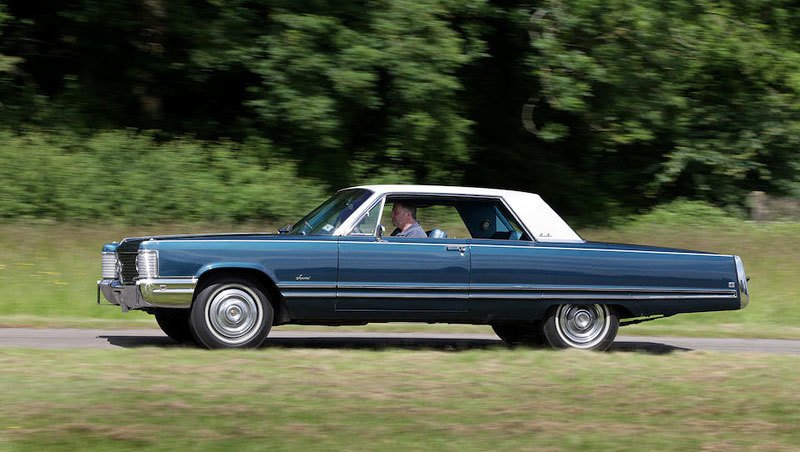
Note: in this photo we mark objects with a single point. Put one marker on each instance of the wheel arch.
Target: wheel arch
(251, 272)
(623, 309)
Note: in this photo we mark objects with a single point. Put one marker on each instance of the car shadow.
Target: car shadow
(653, 348)
(450, 344)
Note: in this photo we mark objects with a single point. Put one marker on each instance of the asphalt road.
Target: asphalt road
(64, 338)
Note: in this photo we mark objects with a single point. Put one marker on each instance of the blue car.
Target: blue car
(455, 255)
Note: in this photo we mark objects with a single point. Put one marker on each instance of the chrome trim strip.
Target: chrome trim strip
(544, 288)
(251, 241)
(404, 241)
(171, 280)
(540, 247)
(402, 286)
(682, 297)
(534, 288)
(533, 246)
(450, 292)
(308, 294)
(594, 296)
(301, 285)
(364, 294)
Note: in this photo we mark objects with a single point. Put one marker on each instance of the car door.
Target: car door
(399, 278)
(402, 277)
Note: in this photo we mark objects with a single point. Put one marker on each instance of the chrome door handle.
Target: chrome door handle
(459, 248)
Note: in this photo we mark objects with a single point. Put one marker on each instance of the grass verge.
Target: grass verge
(48, 274)
(499, 399)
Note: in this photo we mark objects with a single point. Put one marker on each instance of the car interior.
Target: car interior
(451, 217)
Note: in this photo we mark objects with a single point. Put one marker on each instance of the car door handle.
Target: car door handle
(459, 248)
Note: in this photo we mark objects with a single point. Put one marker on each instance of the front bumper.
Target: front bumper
(148, 293)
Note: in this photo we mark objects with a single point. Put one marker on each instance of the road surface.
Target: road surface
(65, 338)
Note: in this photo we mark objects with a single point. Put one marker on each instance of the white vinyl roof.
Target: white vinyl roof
(538, 218)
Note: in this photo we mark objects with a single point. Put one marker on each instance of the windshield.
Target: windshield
(327, 217)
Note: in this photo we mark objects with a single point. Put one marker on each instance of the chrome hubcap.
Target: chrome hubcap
(582, 326)
(234, 314)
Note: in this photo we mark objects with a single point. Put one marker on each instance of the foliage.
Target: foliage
(683, 213)
(376, 86)
(7, 66)
(131, 177)
(602, 107)
(699, 99)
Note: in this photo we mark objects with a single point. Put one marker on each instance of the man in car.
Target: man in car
(404, 218)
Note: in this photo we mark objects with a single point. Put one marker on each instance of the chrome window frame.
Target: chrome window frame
(382, 199)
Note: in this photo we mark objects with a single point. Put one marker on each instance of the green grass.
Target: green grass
(48, 274)
(300, 399)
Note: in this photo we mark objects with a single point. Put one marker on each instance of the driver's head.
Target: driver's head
(403, 214)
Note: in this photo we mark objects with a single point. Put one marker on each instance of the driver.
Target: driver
(404, 218)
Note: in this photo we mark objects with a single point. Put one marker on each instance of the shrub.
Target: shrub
(683, 212)
(132, 177)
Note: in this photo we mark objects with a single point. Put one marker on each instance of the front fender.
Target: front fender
(237, 266)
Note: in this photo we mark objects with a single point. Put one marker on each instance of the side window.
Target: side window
(507, 228)
(444, 219)
(367, 224)
(490, 220)
(439, 219)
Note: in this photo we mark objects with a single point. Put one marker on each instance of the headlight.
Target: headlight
(109, 267)
(147, 264)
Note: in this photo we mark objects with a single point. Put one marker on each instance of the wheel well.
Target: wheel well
(622, 311)
(275, 297)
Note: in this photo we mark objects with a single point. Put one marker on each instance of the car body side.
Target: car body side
(353, 279)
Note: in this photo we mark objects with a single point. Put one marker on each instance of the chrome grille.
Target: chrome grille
(128, 263)
(109, 265)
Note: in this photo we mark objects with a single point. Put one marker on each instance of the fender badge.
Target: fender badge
(300, 277)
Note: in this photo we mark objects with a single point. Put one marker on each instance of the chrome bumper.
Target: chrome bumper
(744, 290)
(148, 293)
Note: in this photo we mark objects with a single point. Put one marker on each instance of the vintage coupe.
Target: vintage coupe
(496, 257)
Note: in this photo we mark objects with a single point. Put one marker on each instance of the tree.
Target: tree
(696, 99)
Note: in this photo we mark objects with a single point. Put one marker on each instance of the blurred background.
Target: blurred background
(237, 110)
(665, 122)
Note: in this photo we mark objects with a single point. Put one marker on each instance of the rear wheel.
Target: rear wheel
(529, 334)
(584, 326)
(174, 323)
(231, 313)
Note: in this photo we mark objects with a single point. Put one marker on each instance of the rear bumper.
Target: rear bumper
(742, 283)
(148, 293)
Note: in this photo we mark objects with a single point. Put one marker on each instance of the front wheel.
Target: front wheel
(174, 323)
(527, 334)
(583, 326)
(231, 313)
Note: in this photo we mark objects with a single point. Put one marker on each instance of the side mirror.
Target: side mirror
(379, 231)
(285, 230)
